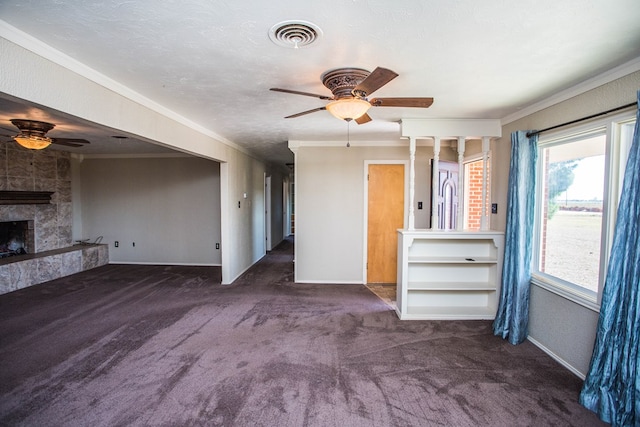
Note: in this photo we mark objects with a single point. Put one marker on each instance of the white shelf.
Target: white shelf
(451, 260)
(448, 275)
(451, 286)
(448, 313)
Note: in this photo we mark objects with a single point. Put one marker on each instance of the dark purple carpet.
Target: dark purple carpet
(168, 346)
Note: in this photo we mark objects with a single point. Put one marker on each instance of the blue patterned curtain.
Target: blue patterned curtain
(512, 317)
(612, 387)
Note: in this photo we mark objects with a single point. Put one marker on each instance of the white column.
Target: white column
(412, 181)
(460, 213)
(435, 170)
(484, 219)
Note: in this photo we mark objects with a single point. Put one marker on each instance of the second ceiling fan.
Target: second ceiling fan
(350, 88)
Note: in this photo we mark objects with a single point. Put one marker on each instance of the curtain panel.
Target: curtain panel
(612, 385)
(512, 317)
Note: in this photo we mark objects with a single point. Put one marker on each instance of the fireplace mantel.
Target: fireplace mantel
(25, 197)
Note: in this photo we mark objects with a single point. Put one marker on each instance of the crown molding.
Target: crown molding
(38, 47)
(592, 83)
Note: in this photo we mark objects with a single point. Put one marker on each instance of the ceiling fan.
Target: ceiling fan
(350, 88)
(32, 135)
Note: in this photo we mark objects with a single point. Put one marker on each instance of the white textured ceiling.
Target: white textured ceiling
(213, 62)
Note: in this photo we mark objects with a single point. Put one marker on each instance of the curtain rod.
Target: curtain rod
(537, 132)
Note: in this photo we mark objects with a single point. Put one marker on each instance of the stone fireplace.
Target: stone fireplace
(16, 238)
(36, 213)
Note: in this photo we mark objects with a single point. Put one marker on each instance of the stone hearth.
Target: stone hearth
(52, 253)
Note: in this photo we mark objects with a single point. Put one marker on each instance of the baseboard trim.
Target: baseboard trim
(556, 358)
(327, 282)
(165, 263)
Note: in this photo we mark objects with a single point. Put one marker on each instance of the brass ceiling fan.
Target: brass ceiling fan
(350, 88)
(33, 133)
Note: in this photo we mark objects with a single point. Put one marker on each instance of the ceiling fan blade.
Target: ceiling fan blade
(402, 102)
(374, 81)
(11, 132)
(363, 119)
(70, 142)
(305, 112)
(297, 92)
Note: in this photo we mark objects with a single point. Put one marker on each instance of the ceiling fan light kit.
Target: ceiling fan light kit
(348, 109)
(32, 142)
(33, 135)
(350, 88)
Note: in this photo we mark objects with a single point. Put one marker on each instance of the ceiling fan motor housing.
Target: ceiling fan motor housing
(32, 127)
(342, 81)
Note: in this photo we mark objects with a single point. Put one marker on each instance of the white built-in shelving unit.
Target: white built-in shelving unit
(448, 274)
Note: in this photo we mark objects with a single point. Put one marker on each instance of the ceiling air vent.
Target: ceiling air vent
(294, 34)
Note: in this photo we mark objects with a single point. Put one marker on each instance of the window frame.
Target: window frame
(616, 153)
(465, 208)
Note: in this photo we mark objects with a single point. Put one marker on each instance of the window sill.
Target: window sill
(566, 292)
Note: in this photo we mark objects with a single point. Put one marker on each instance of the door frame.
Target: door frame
(267, 212)
(365, 219)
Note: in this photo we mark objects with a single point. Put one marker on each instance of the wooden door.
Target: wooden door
(447, 201)
(385, 217)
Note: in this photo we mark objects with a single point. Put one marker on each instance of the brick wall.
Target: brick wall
(474, 194)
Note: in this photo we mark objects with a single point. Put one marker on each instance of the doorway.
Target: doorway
(267, 212)
(385, 215)
(447, 198)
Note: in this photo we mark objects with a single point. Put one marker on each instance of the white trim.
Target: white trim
(329, 282)
(607, 126)
(225, 221)
(365, 209)
(568, 293)
(606, 77)
(82, 157)
(28, 42)
(230, 282)
(421, 141)
(451, 128)
(472, 159)
(267, 213)
(293, 143)
(557, 358)
(165, 263)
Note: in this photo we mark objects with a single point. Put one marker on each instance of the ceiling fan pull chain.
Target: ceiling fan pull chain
(348, 134)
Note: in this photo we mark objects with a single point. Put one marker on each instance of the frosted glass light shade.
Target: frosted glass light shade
(33, 142)
(351, 108)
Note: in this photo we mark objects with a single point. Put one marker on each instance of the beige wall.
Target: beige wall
(168, 207)
(28, 76)
(330, 207)
(564, 328)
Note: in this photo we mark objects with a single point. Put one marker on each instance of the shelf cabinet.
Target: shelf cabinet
(448, 274)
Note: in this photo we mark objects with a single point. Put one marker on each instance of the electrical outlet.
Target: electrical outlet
(217, 245)
(116, 243)
(494, 208)
(419, 205)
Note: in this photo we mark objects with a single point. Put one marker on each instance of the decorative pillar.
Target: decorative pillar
(435, 170)
(460, 213)
(484, 218)
(412, 181)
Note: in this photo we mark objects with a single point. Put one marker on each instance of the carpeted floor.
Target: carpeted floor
(127, 345)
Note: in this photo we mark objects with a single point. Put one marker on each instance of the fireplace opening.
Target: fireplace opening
(16, 238)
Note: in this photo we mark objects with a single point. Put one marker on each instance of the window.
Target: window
(580, 173)
(473, 176)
